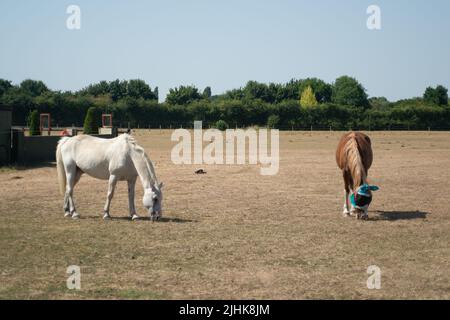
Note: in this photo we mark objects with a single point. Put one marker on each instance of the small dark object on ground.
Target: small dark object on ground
(200, 171)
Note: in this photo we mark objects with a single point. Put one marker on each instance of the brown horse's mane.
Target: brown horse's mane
(354, 155)
(354, 162)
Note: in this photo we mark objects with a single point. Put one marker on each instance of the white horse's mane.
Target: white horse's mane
(138, 149)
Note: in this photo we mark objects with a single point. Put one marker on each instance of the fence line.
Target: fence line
(281, 128)
(297, 128)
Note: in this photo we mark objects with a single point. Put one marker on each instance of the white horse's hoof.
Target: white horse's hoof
(67, 214)
(106, 216)
(75, 215)
(134, 217)
(346, 213)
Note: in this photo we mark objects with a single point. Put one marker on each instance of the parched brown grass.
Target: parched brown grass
(234, 234)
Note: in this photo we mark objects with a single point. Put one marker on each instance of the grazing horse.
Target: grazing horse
(115, 160)
(354, 157)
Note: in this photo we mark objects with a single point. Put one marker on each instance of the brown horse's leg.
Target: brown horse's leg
(347, 183)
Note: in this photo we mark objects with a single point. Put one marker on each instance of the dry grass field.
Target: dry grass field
(235, 234)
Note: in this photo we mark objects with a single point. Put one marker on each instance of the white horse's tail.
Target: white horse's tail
(60, 166)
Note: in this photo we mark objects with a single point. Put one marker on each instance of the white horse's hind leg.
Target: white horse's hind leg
(68, 200)
(111, 187)
(72, 176)
(66, 205)
(131, 188)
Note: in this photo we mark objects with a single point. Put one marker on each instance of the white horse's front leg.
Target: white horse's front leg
(131, 188)
(111, 187)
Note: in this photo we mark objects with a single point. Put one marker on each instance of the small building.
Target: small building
(16, 148)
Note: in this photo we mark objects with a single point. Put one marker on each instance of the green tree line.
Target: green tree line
(341, 105)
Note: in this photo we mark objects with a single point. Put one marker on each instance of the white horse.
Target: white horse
(115, 160)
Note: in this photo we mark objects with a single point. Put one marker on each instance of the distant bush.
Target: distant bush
(91, 122)
(34, 123)
(273, 121)
(308, 98)
(221, 125)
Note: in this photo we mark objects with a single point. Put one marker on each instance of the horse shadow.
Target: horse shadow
(166, 219)
(160, 220)
(398, 215)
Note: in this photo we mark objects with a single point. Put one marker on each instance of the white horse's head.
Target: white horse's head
(153, 201)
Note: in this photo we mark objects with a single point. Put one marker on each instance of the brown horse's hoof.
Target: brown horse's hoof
(362, 216)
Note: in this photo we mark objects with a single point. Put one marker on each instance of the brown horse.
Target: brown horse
(354, 157)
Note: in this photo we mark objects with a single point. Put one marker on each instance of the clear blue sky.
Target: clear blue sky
(224, 44)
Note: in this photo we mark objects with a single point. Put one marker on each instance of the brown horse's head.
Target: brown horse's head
(361, 199)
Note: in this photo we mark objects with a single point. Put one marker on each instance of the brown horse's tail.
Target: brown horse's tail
(354, 162)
